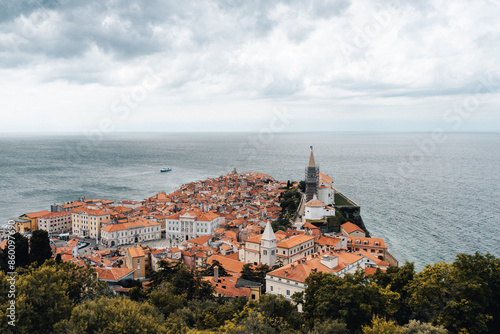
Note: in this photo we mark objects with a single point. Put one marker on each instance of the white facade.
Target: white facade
(130, 233)
(326, 195)
(268, 246)
(318, 212)
(87, 223)
(55, 222)
(189, 225)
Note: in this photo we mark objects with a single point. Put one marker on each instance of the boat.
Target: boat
(163, 170)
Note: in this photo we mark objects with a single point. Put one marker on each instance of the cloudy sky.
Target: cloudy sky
(339, 65)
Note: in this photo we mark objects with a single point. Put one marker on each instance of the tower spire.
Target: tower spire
(312, 163)
(312, 177)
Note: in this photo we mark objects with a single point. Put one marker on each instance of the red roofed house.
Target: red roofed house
(352, 230)
(291, 278)
(29, 221)
(55, 222)
(139, 259)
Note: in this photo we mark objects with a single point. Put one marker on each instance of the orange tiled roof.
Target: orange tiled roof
(294, 241)
(136, 251)
(112, 274)
(350, 228)
(37, 214)
(229, 264)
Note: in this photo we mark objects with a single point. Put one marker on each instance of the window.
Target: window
(288, 292)
(272, 288)
(138, 261)
(265, 252)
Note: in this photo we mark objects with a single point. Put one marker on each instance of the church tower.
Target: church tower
(312, 178)
(268, 246)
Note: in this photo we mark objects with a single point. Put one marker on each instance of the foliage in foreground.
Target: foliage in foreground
(461, 297)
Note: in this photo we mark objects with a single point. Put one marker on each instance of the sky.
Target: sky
(261, 66)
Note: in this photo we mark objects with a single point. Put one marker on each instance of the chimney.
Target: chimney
(216, 273)
(292, 266)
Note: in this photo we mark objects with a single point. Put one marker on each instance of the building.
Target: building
(312, 178)
(187, 225)
(55, 222)
(291, 278)
(351, 230)
(375, 246)
(87, 222)
(29, 221)
(114, 276)
(326, 192)
(294, 248)
(270, 248)
(137, 230)
(139, 259)
(316, 209)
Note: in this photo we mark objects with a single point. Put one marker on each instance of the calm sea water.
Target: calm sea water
(429, 201)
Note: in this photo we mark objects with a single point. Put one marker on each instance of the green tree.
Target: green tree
(302, 186)
(279, 310)
(249, 321)
(417, 327)
(165, 301)
(397, 279)
(329, 327)
(42, 299)
(382, 326)
(167, 270)
(352, 299)
(113, 315)
(40, 250)
(20, 254)
(209, 269)
(189, 282)
(462, 296)
(255, 274)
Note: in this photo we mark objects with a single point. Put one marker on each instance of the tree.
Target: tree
(279, 310)
(40, 250)
(417, 327)
(165, 301)
(113, 315)
(20, 254)
(257, 274)
(42, 299)
(382, 326)
(329, 327)
(189, 282)
(462, 296)
(249, 321)
(165, 273)
(352, 299)
(209, 269)
(397, 279)
(302, 186)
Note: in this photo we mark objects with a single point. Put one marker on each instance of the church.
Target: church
(320, 194)
(268, 247)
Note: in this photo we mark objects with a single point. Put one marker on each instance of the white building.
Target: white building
(291, 278)
(316, 209)
(138, 230)
(55, 222)
(326, 192)
(188, 225)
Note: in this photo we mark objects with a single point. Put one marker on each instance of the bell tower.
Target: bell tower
(312, 178)
(268, 246)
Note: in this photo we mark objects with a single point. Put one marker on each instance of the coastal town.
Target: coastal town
(225, 222)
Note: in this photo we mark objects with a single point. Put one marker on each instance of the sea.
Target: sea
(430, 196)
